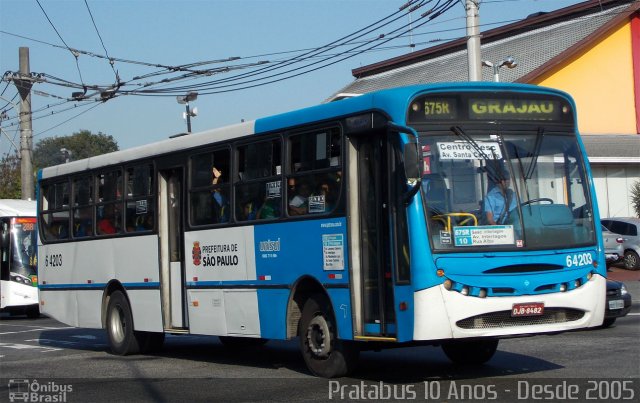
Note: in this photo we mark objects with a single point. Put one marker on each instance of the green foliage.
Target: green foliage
(10, 184)
(635, 197)
(82, 144)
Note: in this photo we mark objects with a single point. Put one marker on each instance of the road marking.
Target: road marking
(23, 331)
(39, 327)
(18, 346)
(633, 314)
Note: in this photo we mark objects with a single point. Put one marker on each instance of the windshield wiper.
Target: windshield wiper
(536, 154)
(495, 174)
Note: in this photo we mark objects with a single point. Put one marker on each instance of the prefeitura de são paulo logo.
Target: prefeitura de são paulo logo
(196, 253)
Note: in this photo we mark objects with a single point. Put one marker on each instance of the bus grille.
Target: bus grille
(504, 319)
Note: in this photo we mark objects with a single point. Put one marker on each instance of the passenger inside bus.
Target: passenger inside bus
(221, 205)
(107, 224)
(248, 212)
(298, 204)
(269, 209)
(83, 224)
(144, 222)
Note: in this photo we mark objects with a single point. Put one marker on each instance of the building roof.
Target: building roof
(538, 43)
(613, 149)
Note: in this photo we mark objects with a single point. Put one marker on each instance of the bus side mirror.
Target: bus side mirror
(411, 163)
(411, 170)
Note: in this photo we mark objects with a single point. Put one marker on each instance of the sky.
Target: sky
(140, 35)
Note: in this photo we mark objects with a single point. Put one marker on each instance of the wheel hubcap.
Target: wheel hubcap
(318, 337)
(630, 261)
(117, 324)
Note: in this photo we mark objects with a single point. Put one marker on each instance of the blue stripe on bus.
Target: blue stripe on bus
(96, 286)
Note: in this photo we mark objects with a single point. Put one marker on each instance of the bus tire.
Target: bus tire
(470, 352)
(325, 355)
(122, 337)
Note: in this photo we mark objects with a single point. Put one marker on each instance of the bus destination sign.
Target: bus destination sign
(437, 108)
(494, 107)
(514, 109)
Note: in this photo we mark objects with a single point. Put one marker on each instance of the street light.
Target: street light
(510, 62)
(191, 96)
(66, 154)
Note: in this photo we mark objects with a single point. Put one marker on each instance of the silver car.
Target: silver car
(613, 249)
(629, 229)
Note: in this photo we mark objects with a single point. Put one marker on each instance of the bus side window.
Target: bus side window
(109, 212)
(314, 172)
(258, 192)
(139, 201)
(54, 217)
(209, 192)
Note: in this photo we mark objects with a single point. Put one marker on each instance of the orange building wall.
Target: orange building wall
(601, 80)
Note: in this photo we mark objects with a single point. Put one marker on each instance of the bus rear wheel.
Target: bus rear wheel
(470, 352)
(325, 355)
(122, 338)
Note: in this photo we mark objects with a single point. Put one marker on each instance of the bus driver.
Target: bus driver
(497, 200)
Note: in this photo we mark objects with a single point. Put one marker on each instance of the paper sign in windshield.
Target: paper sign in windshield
(458, 150)
(489, 235)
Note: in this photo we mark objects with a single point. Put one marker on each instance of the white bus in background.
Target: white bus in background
(18, 257)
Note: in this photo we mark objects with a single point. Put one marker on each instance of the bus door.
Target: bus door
(370, 224)
(172, 275)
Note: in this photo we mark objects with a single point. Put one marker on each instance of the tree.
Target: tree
(82, 144)
(635, 197)
(10, 185)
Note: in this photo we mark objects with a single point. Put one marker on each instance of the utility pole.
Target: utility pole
(473, 40)
(23, 84)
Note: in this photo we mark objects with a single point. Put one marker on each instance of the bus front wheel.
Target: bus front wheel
(122, 338)
(325, 355)
(470, 352)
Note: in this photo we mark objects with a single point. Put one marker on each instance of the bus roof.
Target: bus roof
(387, 100)
(17, 208)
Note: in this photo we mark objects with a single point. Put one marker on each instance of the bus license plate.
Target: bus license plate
(529, 309)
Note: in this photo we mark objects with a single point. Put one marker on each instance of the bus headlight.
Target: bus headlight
(465, 290)
(482, 293)
(447, 284)
(563, 287)
(20, 279)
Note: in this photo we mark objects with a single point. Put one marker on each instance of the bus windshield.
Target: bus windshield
(23, 248)
(518, 187)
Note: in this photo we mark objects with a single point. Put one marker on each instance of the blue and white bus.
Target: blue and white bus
(18, 258)
(361, 223)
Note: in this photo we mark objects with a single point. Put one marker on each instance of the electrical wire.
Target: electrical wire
(111, 62)
(73, 51)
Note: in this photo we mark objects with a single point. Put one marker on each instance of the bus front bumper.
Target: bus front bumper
(443, 314)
